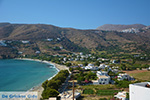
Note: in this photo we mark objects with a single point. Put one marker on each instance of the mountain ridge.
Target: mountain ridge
(119, 27)
(72, 40)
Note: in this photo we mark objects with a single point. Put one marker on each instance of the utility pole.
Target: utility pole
(73, 89)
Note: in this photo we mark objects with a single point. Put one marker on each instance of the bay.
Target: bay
(22, 75)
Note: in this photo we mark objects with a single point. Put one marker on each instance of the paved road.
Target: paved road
(64, 85)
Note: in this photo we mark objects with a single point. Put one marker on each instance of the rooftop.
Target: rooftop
(104, 76)
(143, 84)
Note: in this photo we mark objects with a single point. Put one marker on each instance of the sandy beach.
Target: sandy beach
(59, 67)
(39, 88)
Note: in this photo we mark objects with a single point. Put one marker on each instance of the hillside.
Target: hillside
(112, 27)
(49, 39)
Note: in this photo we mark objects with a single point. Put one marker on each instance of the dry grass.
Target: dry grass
(140, 75)
(89, 97)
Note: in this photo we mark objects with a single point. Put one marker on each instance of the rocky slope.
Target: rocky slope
(55, 40)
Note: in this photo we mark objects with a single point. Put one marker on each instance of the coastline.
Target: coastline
(57, 66)
(39, 87)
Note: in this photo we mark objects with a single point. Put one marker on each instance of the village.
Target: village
(101, 78)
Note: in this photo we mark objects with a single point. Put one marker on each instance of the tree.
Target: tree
(123, 66)
(127, 96)
(97, 63)
(110, 73)
(80, 79)
(71, 69)
(91, 76)
(68, 64)
(52, 84)
(123, 83)
(49, 93)
(85, 63)
(44, 85)
(145, 66)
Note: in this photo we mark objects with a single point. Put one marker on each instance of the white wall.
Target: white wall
(139, 92)
(106, 82)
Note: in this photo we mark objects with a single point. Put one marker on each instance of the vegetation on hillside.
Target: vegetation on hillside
(51, 87)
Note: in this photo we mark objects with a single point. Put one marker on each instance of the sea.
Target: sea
(23, 75)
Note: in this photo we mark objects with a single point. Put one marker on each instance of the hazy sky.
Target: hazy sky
(81, 14)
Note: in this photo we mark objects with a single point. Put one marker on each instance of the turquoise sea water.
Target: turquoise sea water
(22, 75)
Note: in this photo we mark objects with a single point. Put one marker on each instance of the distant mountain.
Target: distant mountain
(148, 27)
(50, 39)
(112, 27)
(4, 24)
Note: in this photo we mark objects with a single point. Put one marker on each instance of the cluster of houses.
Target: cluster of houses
(123, 76)
(82, 57)
(78, 57)
(51, 39)
(130, 30)
(2, 43)
(102, 76)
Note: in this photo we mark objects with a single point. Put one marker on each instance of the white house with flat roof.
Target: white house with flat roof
(123, 76)
(101, 73)
(2, 43)
(103, 77)
(139, 91)
(121, 95)
(25, 42)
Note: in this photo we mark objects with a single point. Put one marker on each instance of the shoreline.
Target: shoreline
(39, 87)
(57, 66)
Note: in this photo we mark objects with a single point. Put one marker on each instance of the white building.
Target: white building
(68, 95)
(20, 52)
(139, 91)
(59, 39)
(2, 43)
(103, 66)
(65, 59)
(25, 42)
(49, 39)
(103, 77)
(121, 95)
(90, 64)
(88, 68)
(124, 76)
(81, 53)
(80, 65)
(130, 30)
(91, 67)
(37, 52)
(100, 73)
(61, 47)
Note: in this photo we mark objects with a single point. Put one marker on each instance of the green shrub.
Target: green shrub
(88, 91)
(51, 86)
(49, 93)
(106, 92)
